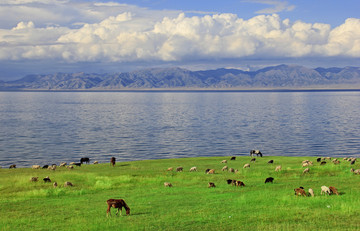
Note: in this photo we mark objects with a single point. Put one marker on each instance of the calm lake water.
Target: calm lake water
(51, 127)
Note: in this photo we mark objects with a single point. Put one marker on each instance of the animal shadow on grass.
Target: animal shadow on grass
(123, 165)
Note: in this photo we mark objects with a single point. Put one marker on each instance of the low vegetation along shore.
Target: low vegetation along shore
(190, 204)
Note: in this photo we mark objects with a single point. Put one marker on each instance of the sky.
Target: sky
(101, 36)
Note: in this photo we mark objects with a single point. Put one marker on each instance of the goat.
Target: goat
(211, 185)
(70, 167)
(278, 168)
(34, 179)
(306, 170)
(67, 183)
(269, 180)
(333, 190)
(325, 189)
(179, 169)
(117, 204)
(96, 162)
(193, 169)
(167, 184)
(311, 191)
(299, 192)
(224, 168)
(256, 152)
(246, 166)
(113, 161)
(211, 171)
(63, 164)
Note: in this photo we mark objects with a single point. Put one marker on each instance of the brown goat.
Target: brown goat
(333, 190)
(113, 161)
(211, 171)
(300, 192)
(117, 204)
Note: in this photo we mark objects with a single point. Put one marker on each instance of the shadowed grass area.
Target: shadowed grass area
(189, 204)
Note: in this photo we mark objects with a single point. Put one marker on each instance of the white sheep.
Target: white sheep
(278, 168)
(246, 166)
(167, 184)
(35, 167)
(325, 189)
(193, 169)
(224, 168)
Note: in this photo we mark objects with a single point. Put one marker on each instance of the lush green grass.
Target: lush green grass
(189, 204)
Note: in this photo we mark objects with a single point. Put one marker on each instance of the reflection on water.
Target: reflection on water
(50, 127)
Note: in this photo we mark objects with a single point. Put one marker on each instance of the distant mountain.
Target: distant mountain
(282, 76)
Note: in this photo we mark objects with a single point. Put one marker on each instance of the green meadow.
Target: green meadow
(189, 204)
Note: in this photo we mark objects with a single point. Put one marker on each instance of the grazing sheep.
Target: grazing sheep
(236, 170)
(167, 184)
(224, 161)
(357, 171)
(233, 158)
(169, 169)
(13, 166)
(256, 152)
(300, 192)
(311, 191)
(231, 170)
(336, 162)
(67, 183)
(306, 170)
(253, 160)
(77, 164)
(47, 179)
(333, 190)
(278, 168)
(55, 184)
(352, 162)
(225, 168)
(179, 169)
(323, 163)
(35, 167)
(207, 170)
(328, 158)
(193, 169)
(84, 160)
(318, 159)
(246, 166)
(305, 164)
(63, 164)
(113, 161)
(45, 166)
(211, 185)
(240, 183)
(96, 162)
(70, 167)
(52, 167)
(269, 180)
(270, 161)
(305, 161)
(325, 189)
(345, 158)
(229, 181)
(34, 179)
(72, 163)
(211, 171)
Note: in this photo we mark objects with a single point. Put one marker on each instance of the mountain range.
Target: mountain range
(274, 77)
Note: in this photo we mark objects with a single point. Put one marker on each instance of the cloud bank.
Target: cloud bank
(142, 35)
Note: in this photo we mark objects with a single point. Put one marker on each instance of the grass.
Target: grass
(189, 204)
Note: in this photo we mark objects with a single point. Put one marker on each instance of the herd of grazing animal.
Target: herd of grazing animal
(120, 203)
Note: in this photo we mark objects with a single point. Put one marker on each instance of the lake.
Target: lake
(52, 127)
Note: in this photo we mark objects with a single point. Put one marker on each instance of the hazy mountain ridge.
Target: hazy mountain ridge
(282, 76)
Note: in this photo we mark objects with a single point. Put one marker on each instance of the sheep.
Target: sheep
(233, 158)
(70, 167)
(179, 169)
(55, 184)
(306, 170)
(352, 162)
(67, 183)
(35, 167)
(325, 189)
(211, 185)
(240, 183)
(34, 179)
(193, 169)
(246, 166)
(46, 179)
(169, 169)
(253, 160)
(229, 181)
(207, 170)
(96, 162)
(278, 168)
(77, 164)
(333, 190)
(299, 192)
(269, 180)
(311, 191)
(63, 164)
(305, 164)
(72, 163)
(231, 170)
(236, 170)
(52, 167)
(270, 161)
(318, 159)
(45, 166)
(211, 171)
(336, 162)
(357, 171)
(224, 161)
(233, 182)
(13, 166)
(167, 184)
(224, 168)
(323, 163)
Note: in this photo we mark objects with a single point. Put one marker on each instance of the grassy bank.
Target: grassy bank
(189, 204)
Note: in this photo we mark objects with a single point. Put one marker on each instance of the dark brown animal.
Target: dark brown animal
(77, 164)
(47, 179)
(85, 160)
(253, 160)
(300, 192)
(211, 185)
(13, 166)
(207, 170)
(269, 180)
(179, 169)
(270, 161)
(229, 181)
(233, 158)
(333, 190)
(240, 183)
(117, 204)
(113, 161)
(323, 163)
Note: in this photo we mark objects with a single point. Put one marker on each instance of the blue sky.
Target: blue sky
(48, 36)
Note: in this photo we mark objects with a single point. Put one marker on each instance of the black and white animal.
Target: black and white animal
(255, 152)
